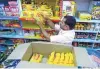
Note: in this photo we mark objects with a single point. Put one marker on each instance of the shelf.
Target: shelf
(6, 44)
(90, 31)
(19, 37)
(11, 36)
(97, 41)
(97, 49)
(8, 18)
(48, 29)
(31, 19)
(57, 20)
(33, 38)
(25, 19)
(8, 28)
(83, 40)
(90, 21)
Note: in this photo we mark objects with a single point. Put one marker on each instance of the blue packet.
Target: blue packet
(1, 7)
(11, 63)
(2, 14)
(94, 56)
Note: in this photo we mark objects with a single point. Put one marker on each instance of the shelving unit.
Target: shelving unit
(84, 7)
(27, 24)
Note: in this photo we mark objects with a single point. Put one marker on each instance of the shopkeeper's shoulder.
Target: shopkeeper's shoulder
(68, 32)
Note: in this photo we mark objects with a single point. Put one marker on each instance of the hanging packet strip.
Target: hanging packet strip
(2, 12)
(13, 3)
(7, 11)
(1, 7)
(11, 63)
(14, 11)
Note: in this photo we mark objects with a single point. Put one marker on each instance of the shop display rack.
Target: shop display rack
(28, 32)
(84, 7)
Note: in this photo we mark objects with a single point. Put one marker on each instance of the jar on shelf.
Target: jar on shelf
(97, 27)
(92, 26)
(88, 27)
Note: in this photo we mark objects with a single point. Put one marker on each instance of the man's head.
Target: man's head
(67, 23)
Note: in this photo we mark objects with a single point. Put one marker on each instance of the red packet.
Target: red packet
(12, 3)
(7, 11)
(6, 8)
(14, 10)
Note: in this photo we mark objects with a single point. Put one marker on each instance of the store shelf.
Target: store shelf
(11, 36)
(84, 40)
(6, 44)
(31, 19)
(57, 20)
(20, 37)
(7, 28)
(90, 21)
(48, 29)
(90, 31)
(33, 38)
(24, 19)
(97, 49)
(8, 18)
(97, 41)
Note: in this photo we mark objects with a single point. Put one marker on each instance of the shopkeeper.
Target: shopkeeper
(65, 30)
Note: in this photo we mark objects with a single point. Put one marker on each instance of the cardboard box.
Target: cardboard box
(26, 50)
(46, 49)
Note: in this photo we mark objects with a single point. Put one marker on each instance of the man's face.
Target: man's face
(62, 24)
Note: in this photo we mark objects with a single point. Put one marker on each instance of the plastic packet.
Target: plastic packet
(13, 3)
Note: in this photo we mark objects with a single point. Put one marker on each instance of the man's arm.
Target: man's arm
(46, 35)
(48, 20)
(50, 23)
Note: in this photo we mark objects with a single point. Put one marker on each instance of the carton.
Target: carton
(25, 51)
(45, 49)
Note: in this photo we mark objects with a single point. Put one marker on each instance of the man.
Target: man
(65, 28)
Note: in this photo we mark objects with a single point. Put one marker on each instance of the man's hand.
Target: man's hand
(39, 23)
(45, 15)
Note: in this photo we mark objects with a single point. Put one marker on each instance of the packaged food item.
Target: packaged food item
(1, 8)
(51, 58)
(2, 12)
(96, 10)
(57, 8)
(7, 10)
(12, 3)
(36, 58)
(14, 11)
(69, 8)
(85, 16)
(66, 59)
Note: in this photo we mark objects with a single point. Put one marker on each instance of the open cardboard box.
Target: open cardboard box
(26, 50)
(45, 50)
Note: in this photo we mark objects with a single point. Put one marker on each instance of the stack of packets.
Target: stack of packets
(36, 58)
(66, 59)
(39, 17)
(85, 16)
